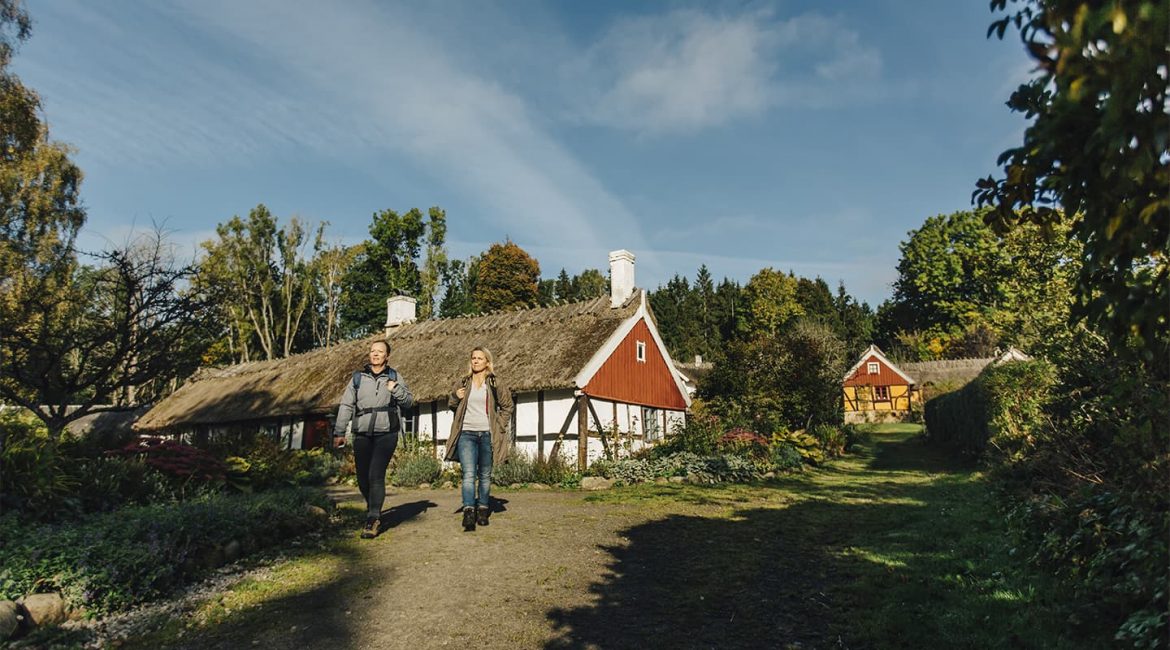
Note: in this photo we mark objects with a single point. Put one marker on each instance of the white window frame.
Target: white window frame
(872, 368)
(641, 351)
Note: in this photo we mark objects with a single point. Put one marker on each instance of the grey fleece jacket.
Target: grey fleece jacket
(373, 405)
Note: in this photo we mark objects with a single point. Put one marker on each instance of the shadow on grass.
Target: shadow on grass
(917, 564)
(321, 615)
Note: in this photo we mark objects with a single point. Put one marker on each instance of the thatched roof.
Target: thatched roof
(957, 372)
(535, 349)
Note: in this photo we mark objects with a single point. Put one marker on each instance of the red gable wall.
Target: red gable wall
(623, 378)
(885, 375)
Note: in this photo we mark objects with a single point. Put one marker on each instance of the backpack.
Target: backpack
(391, 374)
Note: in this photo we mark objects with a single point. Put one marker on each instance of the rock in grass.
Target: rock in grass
(596, 483)
(44, 609)
(9, 618)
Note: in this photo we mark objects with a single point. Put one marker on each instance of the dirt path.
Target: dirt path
(425, 583)
(806, 561)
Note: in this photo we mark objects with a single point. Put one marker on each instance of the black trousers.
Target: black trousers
(371, 455)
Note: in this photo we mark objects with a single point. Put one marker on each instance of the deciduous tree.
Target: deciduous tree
(507, 278)
(1095, 148)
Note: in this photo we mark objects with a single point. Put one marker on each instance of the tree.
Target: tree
(115, 337)
(434, 264)
(787, 379)
(1096, 148)
(948, 274)
(40, 209)
(330, 267)
(387, 265)
(507, 278)
(770, 298)
(855, 322)
(261, 277)
(964, 290)
(590, 283)
(459, 281)
(564, 287)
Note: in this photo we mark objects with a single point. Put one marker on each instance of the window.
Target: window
(871, 368)
(642, 351)
(881, 393)
(651, 424)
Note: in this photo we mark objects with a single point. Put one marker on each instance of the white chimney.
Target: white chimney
(698, 359)
(621, 277)
(399, 310)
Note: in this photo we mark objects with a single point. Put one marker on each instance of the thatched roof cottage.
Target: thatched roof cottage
(877, 389)
(592, 366)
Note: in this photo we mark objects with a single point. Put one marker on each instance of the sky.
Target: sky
(803, 136)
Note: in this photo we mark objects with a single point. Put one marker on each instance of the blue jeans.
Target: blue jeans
(475, 456)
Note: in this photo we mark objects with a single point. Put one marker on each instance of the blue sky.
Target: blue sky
(805, 136)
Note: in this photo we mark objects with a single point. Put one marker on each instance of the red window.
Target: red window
(881, 393)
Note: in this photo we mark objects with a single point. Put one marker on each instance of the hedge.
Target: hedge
(997, 413)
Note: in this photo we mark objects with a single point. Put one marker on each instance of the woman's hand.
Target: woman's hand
(461, 393)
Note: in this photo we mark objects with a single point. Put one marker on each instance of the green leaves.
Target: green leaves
(1097, 146)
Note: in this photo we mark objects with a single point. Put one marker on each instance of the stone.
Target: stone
(539, 486)
(596, 483)
(661, 480)
(424, 486)
(44, 609)
(232, 551)
(677, 479)
(769, 474)
(9, 618)
(316, 511)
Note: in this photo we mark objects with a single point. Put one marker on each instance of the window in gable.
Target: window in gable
(642, 351)
(871, 368)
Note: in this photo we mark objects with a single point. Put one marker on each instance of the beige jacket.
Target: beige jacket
(499, 405)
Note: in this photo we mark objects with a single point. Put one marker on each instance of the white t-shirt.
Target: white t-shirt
(476, 417)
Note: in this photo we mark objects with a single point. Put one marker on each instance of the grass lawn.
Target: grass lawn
(894, 546)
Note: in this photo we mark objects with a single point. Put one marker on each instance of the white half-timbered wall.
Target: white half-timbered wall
(539, 417)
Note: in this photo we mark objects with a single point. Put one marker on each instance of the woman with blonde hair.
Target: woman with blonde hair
(480, 434)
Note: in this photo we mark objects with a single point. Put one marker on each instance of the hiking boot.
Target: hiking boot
(370, 530)
(481, 515)
(468, 519)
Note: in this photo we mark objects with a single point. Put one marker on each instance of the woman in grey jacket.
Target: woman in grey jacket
(480, 433)
(372, 402)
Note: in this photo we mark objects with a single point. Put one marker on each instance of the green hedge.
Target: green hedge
(997, 413)
(113, 561)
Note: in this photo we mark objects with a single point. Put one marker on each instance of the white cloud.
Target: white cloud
(686, 71)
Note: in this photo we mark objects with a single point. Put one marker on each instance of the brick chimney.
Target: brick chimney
(621, 277)
(399, 310)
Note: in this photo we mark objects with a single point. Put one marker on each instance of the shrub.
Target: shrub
(316, 466)
(746, 443)
(33, 471)
(182, 462)
(415, 469)
(113, 561)
(998, 412)
(784, 456)
(806, 445)
(706, 469)
(832, 439)
(699, 434)
(105, 484)
(522, 468)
